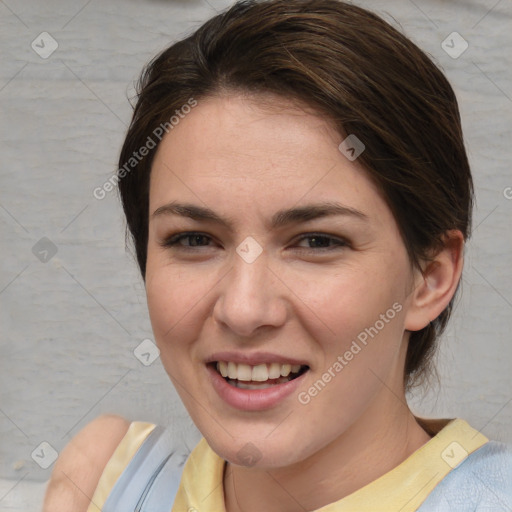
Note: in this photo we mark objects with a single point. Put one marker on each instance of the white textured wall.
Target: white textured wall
(69, 326)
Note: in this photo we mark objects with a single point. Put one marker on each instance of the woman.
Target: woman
(297, 189)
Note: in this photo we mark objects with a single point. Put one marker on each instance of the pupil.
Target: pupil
(195, 238)
(322, 241)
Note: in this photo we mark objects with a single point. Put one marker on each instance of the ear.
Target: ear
(437, 283)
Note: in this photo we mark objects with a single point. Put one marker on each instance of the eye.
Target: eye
(194, 239)
(320, 241)
(317, 242)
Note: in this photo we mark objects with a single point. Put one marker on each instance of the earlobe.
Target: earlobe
(437, 284)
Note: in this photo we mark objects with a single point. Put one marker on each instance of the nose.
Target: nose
(251, 297)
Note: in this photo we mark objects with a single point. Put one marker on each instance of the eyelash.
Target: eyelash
(173, 241)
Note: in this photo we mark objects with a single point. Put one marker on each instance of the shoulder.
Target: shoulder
(80, 464)
(483, 480)
(491, 464)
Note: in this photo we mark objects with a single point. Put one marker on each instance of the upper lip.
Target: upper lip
(254, 359)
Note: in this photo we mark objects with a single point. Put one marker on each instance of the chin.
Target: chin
(257, 452)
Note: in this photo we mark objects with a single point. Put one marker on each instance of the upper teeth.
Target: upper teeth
(260, 372)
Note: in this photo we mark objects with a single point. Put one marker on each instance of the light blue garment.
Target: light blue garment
(480, 483)
(149, 483)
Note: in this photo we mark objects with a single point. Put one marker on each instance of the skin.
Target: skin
(245, 157)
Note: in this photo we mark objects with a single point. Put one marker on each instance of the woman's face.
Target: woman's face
(267, 280)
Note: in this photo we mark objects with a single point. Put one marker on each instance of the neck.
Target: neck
(375, 444)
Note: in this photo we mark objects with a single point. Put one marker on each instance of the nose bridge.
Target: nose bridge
(248, 297)
(249, 273)
(250, 268)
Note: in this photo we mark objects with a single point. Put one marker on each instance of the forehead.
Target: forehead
(243, 152)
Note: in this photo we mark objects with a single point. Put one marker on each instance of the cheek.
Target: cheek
(174, 301)
(347, 301)
(361, 313)
(360, 350)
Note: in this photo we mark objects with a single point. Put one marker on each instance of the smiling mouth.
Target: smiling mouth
(261, 376)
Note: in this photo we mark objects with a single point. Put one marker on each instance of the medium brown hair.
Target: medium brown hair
(355, 70)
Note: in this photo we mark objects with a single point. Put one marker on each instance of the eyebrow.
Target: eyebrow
(279, 219)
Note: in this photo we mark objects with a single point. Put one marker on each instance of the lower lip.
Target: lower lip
(252, 399)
